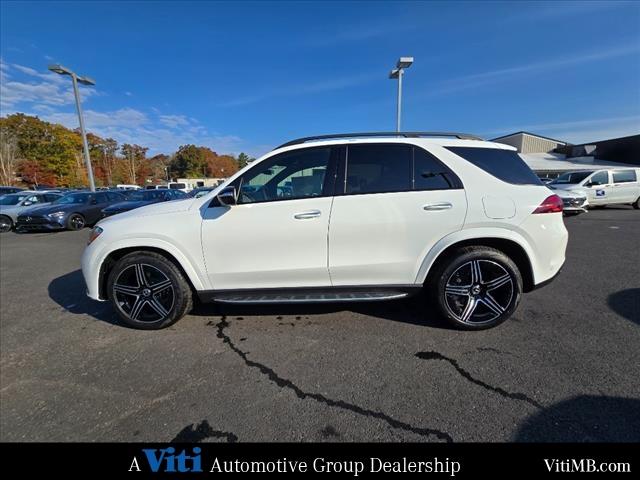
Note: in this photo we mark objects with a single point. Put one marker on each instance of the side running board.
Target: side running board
(306, 296)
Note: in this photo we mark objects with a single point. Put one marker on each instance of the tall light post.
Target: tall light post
(398, 72)
(75, 79)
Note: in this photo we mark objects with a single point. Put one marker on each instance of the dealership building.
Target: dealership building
(550, 157)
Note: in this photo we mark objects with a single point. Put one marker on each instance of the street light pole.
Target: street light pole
(398, 73)
(85, 145)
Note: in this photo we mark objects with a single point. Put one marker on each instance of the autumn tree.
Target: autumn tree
(133, 159)
(8, 156)
(243, 159)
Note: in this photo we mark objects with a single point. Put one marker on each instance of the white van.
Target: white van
(185, 187)
(612, 186)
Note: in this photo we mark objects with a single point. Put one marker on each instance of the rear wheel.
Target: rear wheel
(76, 222)
(148, 291)
(477, 288)
(6, 224)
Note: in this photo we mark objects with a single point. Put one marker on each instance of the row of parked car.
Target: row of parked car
(48, 210)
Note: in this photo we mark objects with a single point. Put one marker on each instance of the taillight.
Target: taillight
(551, 204)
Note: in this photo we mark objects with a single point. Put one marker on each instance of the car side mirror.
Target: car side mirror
(592, 184)
(228, 196)
(26, 204)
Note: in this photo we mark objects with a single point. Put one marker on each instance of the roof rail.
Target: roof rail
(462, 136)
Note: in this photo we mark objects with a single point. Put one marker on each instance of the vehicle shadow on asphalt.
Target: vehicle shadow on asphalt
(626, 303)
(68, 291)
(585, 418)
(413, 311)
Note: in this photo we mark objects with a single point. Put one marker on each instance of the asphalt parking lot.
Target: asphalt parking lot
(565, 368)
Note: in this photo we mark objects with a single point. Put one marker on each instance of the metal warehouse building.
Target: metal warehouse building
(527, 142)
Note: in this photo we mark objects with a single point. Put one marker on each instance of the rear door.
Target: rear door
(393, 203)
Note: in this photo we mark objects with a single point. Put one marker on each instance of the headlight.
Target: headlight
(95, 233)
(57, 214)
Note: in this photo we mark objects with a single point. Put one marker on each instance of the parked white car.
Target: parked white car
(354, 217)
(13, 204)
(574, 202)
(602, 187)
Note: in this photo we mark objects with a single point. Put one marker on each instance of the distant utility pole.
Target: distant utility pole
(85, 81)
(397, 73)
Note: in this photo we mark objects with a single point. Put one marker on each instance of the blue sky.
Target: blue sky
(248, 76)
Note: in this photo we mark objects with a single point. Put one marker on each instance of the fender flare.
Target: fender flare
(197, 278)
(480, 234)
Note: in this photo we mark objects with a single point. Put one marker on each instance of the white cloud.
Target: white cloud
(174, 121)
(50, 97)
(39, 88)
(503, 74)
(305, 89)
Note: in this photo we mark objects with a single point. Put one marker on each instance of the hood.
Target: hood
(9, 208)
(569, 192)
(129, 205)
(565, 186)
(157, 208)
(46, 210)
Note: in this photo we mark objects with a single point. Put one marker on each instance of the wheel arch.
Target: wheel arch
(116, 254)
(510, 247)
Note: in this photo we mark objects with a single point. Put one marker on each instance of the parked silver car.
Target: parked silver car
(13, 204)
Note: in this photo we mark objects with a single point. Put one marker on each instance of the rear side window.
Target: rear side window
(505, 165)
(624, 176)
(378, 168)
(176, 186)
(429, 173)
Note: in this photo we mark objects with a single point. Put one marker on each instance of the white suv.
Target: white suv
(352, 217)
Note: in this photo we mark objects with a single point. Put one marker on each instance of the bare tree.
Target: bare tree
(8, 156)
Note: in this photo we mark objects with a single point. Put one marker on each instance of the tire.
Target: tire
(495, 296)
(636, 204)
(76, 222)
(6, 224)
(153, 299)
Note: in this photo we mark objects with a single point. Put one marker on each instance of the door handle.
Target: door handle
(438, 206)
(308, 214)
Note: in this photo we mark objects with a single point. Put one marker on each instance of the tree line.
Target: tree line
(34, 152)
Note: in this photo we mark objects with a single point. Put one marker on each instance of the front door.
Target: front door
(398, 201)
(599, 190)
(276, 234)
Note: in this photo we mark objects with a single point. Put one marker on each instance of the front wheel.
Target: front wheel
(148, 291)
(5, 223)
(76, 222)
(477, 288)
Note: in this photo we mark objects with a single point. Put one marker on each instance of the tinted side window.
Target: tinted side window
(287, 176)
(624, 176)
(429, 173)
(600, 178)
(379, 168)
(101, 197)
(503, 164)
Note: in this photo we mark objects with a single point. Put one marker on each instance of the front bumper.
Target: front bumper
(577, 204)
(39, 224)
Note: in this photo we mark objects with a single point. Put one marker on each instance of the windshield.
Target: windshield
(12, 199)
(146, 195)
(73, 198)
(570, 178)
